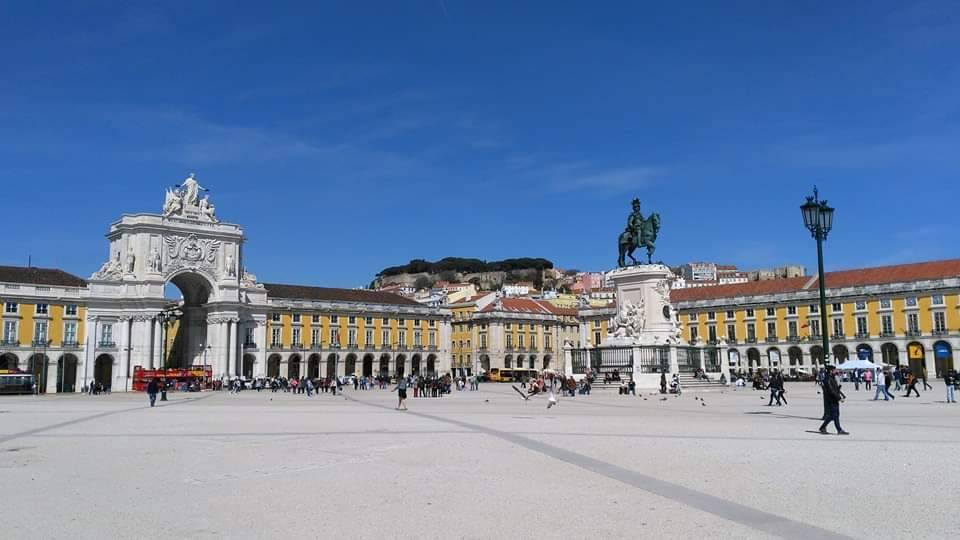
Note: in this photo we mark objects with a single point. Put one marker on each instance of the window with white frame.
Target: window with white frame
(814, 308)
(911, 301)
(368, 337)
(275, 317)
(731, 332)
(11, 307)
(251, 333)
(402, 338)
(751, 331)
(885, 303)
(43, 309)
(483, 341)
(886, 325)
(10, 332)
(334, 319)
(939, 322)
(861, 305)
(433, 339)
(771, 329)
(937, 299)
(70, 310)
(417, 339)
(296, 336)
(694, 333)
(814, 327)
(352, 337)
(335, 336)
(730, 314)
(368, 320)
(402, 322)
(106, 334)
(791, 310)
(385, 338)
(40, 331)
(296, 317)
(771, 312)
(275, 336)
(711, 315)
(838, 327)
(315, 319)
(520, 340)
(792, 329)
(69, 332)
(533, 341)
(750, 313)
(862, 326)
(913, 323)
(836, 308)
(433, 323)
(712, 333)
(385, 321)
(352, 319)
(314, 336)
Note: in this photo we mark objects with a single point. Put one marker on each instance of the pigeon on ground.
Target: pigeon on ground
(663, 399)
(703, 403)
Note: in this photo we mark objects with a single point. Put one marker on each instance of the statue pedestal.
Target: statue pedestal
(648, 287)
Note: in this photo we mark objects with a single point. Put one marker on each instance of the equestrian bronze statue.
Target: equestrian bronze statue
(640, 232)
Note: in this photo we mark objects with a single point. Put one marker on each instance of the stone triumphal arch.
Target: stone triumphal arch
(187, 246)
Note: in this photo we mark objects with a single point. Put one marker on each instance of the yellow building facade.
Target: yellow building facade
(904, 314)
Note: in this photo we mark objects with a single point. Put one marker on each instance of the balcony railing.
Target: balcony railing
(913, 333)
(940, 332)
(886, 334)
(275, 346)
(418, 347)
(794, 338)
(250, 345)
(353, 346)
(731, 341)
(41, 343)
(369, 347)
(296, 346)
(771, 339)
(751, 340)
(315, 346)
(838, 337)
(863, 335)
(106, 345)
(11, 342)
(70, 344)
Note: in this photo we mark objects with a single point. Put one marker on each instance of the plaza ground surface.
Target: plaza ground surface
(477, 465)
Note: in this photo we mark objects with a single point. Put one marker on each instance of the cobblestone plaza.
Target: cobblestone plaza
(477, 465)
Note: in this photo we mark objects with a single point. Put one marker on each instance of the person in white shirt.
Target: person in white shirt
(881, 384)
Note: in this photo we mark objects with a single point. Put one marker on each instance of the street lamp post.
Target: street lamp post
(818, 218)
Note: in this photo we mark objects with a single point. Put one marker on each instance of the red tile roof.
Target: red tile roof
(527, 305)
(880, 275)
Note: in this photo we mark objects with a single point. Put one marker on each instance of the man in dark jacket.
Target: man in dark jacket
(152, 389)
(832, 396)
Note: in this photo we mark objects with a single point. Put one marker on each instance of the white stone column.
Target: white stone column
(260, 370)
(228, 343)
(119, 382)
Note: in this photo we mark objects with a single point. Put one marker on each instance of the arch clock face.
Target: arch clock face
(666, 312)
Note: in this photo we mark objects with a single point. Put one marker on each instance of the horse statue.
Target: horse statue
(644, 236)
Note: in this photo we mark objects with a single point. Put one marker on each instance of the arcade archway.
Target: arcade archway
(189, 342)
(273, 366)
(8, 361)
(943, 358)
(367, 366)
(293, 367)
(431, 364)
(248, 361)
(67, 373)
(103, 371)
(37, 364)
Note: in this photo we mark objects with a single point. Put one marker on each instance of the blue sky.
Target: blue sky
(350, 136)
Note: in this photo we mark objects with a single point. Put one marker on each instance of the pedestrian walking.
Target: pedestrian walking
(152, 390)
(882, 387)
(401, 390)
(925, 385)
(911, 385)
(868, 378)
(950, 379)
(832, 397)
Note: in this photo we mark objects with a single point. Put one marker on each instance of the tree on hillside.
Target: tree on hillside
(423, 282)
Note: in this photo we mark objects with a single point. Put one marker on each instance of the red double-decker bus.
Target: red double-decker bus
(192, 379)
